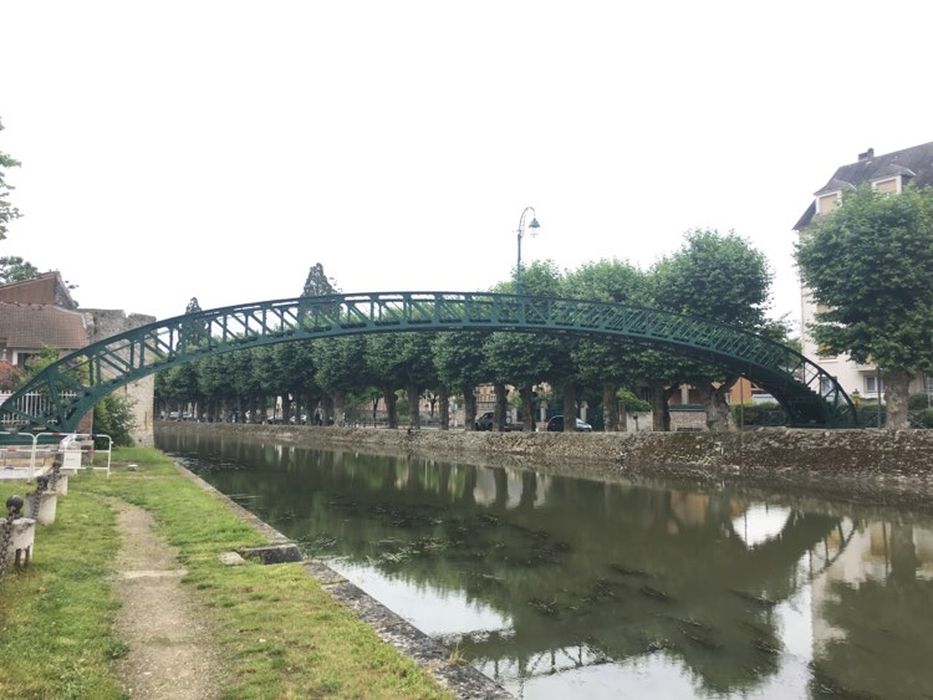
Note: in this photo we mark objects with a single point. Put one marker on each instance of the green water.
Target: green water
(564, 587)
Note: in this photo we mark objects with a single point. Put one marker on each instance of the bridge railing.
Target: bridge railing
(76, 382)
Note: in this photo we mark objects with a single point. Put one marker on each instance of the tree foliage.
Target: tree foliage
(717, 276)
(113, 416)
(720, 277)
(317, 283)
(15, 269)
(7, 211)
(194, 331)
(322, 374)
(868, 263)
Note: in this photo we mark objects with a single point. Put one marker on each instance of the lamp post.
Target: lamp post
(534, 226)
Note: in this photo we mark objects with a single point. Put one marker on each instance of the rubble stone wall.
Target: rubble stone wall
(865, 465)
(103, 323)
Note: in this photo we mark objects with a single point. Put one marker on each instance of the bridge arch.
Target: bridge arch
(809, 395)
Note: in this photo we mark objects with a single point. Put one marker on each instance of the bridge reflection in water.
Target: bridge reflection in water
(561, 586)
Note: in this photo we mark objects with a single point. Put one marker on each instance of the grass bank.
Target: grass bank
(281, 634)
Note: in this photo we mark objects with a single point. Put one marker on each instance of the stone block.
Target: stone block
(48, 505)
(231, 559)
(20, 552)
(274, 553)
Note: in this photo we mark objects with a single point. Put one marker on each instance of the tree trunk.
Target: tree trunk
(896, 395)
(443, 410)
(414, 406)
(498, 423)
(389, 397)
(286, 408)
(469, 408)
(718, 414)
(904, 561)
(610, 407)
(570, 408)
(623, 416)
(528, 408)
(660, 413)
(327, 404)
(340, 407)
(264, 409)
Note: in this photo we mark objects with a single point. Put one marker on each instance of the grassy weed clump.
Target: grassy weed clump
(281, 634)
(56, 616)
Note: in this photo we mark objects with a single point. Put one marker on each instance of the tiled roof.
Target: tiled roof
(47, 288)
(916, 163)
(32, 326)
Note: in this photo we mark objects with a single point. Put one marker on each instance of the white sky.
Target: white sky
(219, 149)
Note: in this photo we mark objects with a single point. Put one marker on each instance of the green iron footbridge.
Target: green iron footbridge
(810, 396)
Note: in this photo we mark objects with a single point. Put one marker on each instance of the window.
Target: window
(871, 382)
(889, 186)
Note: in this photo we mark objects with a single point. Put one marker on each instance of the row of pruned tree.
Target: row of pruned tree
(713, 275)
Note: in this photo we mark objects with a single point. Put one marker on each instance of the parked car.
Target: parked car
(485, 422)
(556, 425)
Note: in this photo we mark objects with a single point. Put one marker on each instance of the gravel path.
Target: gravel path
(171, 651)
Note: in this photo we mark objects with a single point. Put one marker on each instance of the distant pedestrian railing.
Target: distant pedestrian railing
(33, 401)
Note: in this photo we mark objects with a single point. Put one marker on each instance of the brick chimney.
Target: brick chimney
(867, 155)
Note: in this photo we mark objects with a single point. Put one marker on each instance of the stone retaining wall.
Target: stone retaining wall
(874, 465)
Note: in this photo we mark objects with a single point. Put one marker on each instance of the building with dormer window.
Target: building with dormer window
(889, 173)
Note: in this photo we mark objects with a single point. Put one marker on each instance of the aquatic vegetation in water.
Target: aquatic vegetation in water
(700, 637)
(625, 571)
(752, 598)
(656, 594)
(545, 607)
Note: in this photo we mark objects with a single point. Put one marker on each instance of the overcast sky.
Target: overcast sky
(219, 149)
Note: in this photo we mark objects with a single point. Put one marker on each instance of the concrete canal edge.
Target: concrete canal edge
(462, 679)
(866, 466)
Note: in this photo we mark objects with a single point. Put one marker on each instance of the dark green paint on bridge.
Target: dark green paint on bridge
(809, 395)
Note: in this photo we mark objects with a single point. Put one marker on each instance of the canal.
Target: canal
(563, 587)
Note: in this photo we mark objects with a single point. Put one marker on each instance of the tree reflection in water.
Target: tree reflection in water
(591, 573)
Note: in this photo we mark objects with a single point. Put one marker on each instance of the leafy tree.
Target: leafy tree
(869, 263)
(419, 372)
(721, 277)
(522, 360)
(340, 368)
(113, 416)
(460, 365)
(525, 359)
(317, 283)
(194, 332)
(603, 364)
(10, 377)
(15, 269)
(401, 361)
(7, 211)
(384, 361)
(244, 382)
(178, 385)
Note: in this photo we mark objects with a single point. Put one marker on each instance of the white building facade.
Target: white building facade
(888, 173)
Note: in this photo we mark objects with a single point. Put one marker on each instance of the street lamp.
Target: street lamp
(534, 226)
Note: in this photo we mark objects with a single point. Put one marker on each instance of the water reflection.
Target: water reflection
(560, 586)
